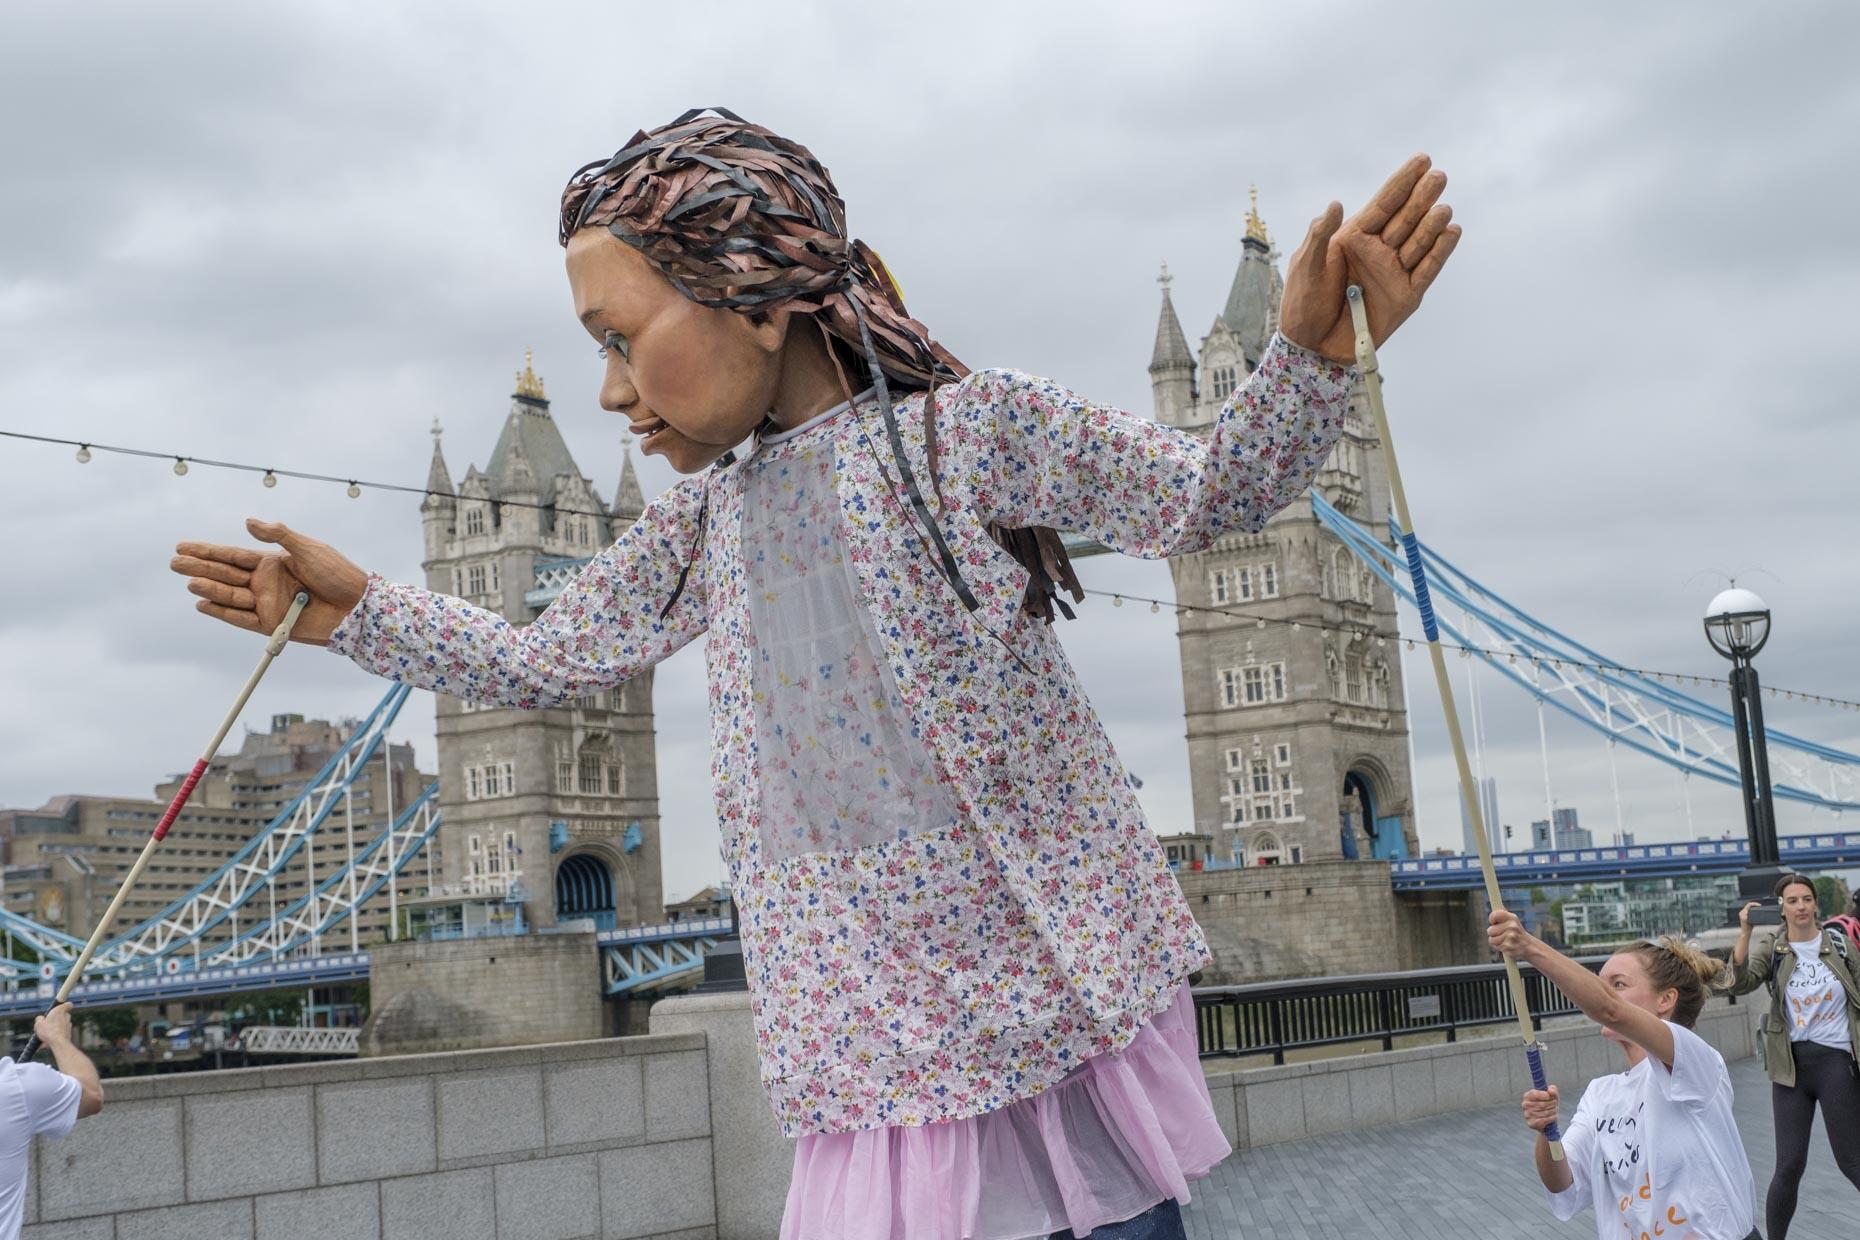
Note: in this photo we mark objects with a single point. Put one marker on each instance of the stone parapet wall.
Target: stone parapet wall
(608, 1138)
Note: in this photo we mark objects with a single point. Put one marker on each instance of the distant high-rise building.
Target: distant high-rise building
(1488, 808)
(1562, 831)
(1568, 833)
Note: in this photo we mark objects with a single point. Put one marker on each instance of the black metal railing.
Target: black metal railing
(1270, 1018)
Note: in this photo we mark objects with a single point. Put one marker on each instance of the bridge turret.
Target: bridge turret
(1172, 366)
(439, 509)
(530, 519)
(1297, 730)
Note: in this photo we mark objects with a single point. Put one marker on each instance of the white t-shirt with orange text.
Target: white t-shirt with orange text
(1656, 1152)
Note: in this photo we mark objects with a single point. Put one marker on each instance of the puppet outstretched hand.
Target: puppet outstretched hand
(1393, 248)
(251, 589)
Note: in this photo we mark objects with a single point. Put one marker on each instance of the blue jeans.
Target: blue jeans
(1162, 1222)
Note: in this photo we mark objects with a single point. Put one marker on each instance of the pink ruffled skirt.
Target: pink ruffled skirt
(1106, 1143)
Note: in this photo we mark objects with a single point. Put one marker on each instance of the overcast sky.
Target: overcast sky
(295, 235)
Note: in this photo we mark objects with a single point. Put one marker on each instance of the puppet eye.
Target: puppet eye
(615, 341)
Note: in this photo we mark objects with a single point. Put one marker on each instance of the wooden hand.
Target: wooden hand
(1393, 248)
(252, 590)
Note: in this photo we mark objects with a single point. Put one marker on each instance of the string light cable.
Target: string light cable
(269, 475)
(1512, 657)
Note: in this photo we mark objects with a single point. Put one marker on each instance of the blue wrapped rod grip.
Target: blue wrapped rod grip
(1535, 1055)
(1422, 603)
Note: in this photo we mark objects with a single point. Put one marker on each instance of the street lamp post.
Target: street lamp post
(1738, 624)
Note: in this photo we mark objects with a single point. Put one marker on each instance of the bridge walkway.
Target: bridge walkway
(1463, 1174)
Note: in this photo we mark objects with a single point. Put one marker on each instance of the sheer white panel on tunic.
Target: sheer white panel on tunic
(840, 762)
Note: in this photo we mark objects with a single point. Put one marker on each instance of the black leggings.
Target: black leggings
(1826, 1076)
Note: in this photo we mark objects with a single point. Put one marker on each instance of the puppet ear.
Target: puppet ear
(769, 327)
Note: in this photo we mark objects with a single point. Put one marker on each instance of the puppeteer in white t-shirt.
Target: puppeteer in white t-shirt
(34, 1101)
(1656, 1152)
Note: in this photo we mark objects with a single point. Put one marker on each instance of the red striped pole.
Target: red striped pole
(273, 646)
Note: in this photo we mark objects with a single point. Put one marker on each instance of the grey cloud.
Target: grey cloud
(297, 235)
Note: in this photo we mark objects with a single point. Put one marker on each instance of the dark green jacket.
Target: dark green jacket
(1766, 960)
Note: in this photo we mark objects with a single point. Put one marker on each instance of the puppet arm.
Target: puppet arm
(604, 628)
(1036, 454)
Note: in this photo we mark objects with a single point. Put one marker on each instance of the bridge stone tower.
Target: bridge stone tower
(557, 808)
(1297, 737)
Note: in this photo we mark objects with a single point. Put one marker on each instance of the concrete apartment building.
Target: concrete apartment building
(65, 860)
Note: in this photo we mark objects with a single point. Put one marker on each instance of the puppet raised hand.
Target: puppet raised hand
(1393, 248)
(252, 589)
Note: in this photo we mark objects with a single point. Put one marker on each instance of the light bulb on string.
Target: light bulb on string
(1155, 607)
(1260, 623)
(83, 454)
(270, 479)
(355, 489)
(1117, 600)
(180, 467)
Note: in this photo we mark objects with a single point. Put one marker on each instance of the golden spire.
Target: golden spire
(528, 385)
(1255, 227)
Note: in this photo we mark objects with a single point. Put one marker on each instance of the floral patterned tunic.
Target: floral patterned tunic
(934, 966)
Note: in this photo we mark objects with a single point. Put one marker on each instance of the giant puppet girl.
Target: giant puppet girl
(967, 958)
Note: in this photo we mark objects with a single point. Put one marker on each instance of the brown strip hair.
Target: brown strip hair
(737, 217)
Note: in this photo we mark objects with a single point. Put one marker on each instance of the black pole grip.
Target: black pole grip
(33, 1044)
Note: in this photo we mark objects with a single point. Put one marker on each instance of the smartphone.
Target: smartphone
(1766, 914)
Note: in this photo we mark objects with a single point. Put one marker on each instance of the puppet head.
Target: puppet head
(747, 229)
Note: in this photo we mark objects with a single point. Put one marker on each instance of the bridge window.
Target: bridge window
(1265, 848)
(1269, 579)
(589, 775)
(1243, 584)
(1230, 687)
(474, 519)
(1217, 585)
(1263, 682)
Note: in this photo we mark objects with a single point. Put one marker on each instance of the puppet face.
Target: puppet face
(1625, 973)
(1799, 907)
(693, 381)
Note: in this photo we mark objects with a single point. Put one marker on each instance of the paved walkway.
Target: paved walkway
(1466, 1174)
